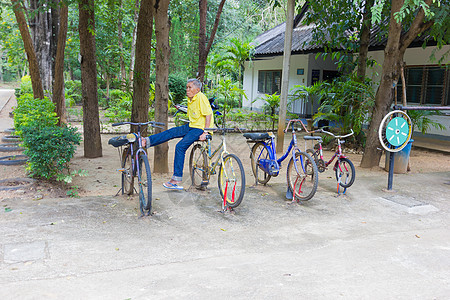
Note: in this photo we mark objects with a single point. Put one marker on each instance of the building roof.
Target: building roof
(271, 42)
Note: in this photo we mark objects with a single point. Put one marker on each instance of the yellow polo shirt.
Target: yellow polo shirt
(198, 109)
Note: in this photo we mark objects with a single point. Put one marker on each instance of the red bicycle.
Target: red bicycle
(343, 168)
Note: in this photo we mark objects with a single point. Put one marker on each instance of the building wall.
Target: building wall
(307, 62)
(413, 57)
(416, 57)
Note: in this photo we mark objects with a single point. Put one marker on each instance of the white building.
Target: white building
(428, 83)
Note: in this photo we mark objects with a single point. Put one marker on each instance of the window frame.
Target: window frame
(424, 86)
(265, 87)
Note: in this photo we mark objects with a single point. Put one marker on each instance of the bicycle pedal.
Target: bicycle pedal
(204, 183)
(120, 170)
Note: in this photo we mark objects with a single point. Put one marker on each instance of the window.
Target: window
(269, 82)
(426, 85)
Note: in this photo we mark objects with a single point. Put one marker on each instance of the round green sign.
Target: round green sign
(397, 131)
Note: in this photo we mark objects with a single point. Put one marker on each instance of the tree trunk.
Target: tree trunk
(203, 48)
(285, 74)
(91, 122)
(133, 41)
(393, 60)
(364, 41)
(58, 85)
(123, 74)
(141, 83)
(44, 39)
(33, 66)
(162, 27)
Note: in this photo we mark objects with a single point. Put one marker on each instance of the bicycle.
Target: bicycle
(134, 162)
(302, 173)
(343, 168)
(231, 179)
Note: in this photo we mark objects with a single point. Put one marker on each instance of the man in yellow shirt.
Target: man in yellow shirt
(200, 117)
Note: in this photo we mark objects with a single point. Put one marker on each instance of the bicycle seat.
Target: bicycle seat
(118, 141)
(257, 136)
(308, 137)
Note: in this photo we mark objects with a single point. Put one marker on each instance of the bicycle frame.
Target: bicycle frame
(210, 154)
(337, 153)
(272, 165)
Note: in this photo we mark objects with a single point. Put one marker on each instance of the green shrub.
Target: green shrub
(121, 110)
(48, 146)
(49, 149)
(73, 92)
(177, 87)
(25, 86)
(31, 112)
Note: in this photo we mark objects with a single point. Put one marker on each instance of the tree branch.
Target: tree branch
(417, 27)
(216, 25)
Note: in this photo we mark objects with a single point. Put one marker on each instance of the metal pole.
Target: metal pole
(391, 170)
(401, 107)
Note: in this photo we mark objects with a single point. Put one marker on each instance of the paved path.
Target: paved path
(368, 244)
(6, 99)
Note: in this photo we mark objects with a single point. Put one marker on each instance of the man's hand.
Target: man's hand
(203, 136)
(143, 142)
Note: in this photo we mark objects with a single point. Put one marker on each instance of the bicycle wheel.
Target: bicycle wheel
(231, 181)
(145, 185)
(395, 131)
(260, 151)
(319, 162)
(302, 176)
(127, 172)
(345, 172)
(198, 167)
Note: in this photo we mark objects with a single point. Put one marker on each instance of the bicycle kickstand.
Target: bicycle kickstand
(338, 189)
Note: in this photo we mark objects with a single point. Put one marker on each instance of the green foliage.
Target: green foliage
(272, 103)
(346, 101)
(120, 107)
(67, 178)
(177, 87)
(31, 112)
(25, 86)
(49, 149)
(421, 121)
(73, 92)
(13, 59)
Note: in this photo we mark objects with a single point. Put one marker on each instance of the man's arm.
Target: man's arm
(207, 121)
(207, 124)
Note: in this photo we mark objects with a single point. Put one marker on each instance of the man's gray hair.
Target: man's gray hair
(196, 82)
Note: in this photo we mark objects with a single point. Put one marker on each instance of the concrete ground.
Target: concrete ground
(366, 244)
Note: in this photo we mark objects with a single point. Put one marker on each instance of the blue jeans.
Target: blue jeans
(189, 136)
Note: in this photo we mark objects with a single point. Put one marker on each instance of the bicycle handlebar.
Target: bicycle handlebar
(294, 121)
(152, 123)
(337, 136)
(224, 129)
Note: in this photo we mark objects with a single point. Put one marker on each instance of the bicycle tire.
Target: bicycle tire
(260, 150)
(145, 185)
(342, 168)
(11, 139)
(308, 175)
(232, 171)
(198, 167)
(127, 172)
(395, 131)
(10, 147)
(13, 160)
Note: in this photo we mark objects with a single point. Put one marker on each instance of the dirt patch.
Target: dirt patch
(104, 180)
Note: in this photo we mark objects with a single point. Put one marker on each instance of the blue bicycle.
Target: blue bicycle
(302, 172)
